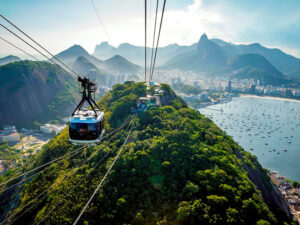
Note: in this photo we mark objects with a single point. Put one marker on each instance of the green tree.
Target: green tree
(262, 222)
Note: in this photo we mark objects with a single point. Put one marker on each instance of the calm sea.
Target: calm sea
(269, 129)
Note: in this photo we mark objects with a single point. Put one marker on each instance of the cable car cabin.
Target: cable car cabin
(85, 127)
(144, 104)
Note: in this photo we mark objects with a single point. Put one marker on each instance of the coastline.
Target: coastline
(270, 97)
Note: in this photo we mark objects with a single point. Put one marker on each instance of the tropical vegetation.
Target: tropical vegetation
(177, 167)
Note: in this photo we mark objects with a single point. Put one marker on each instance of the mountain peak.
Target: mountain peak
(118, 63)
(207, 48)
(117, 57)
(103, 47)
(256, 45)
(104, 43)
(83, 65)
(77, 48)
(125, 45)
(82, 59)
(72, 53)
(74, 50)
(9, 59)
(204, 37)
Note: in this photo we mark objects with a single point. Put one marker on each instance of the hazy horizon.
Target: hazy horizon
(58, 25)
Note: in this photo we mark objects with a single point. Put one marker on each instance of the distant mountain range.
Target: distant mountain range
(216, 57)
(81, 61)
(70, 55)
(284, 62)
(136, 54)
(9, 59)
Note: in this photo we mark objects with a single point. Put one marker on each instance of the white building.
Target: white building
(51, 128)
(9, 134)
(13, 137)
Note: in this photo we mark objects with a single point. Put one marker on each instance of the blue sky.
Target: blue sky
(58, 24)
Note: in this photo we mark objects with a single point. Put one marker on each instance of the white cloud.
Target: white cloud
(186, 26)
(217, 18)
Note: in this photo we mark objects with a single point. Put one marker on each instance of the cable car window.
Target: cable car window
(92, 128)
(83, 131)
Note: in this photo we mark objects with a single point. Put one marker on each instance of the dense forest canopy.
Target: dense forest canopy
(178, 167)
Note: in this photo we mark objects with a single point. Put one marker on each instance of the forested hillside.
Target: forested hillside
(218, 58)
(34, 91)
(9, 59)
(177, 167)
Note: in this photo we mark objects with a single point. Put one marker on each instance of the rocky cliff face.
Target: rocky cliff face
(270, 193)
(28, 101)
(167, 98)
(257, 175)
(27, 88)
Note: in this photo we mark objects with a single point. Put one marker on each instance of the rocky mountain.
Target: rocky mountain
(78, 58)
(34, 91)
(287, 64)
(83, 66)
(9, 59)
(207, 57)
(177, 167)
(255, 61)
(118, 64)
(70, 55)
(263, 76)
(173, 54)
(136, 54)
(216, 57)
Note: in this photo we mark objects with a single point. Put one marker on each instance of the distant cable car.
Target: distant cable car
(144, 104)
(86, 125)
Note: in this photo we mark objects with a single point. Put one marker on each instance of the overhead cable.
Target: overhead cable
(157, 43)
(90, 171)
(38, 45)
(154, 33)
(103, 179)
(18, 48)
(100, 20)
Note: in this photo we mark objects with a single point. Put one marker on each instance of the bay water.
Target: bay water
(268, 128)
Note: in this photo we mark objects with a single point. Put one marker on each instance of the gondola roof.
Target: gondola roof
(86, 116)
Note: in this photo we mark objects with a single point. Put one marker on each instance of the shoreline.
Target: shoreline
(270, 97)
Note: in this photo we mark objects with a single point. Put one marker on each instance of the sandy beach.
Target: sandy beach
(270, 97)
